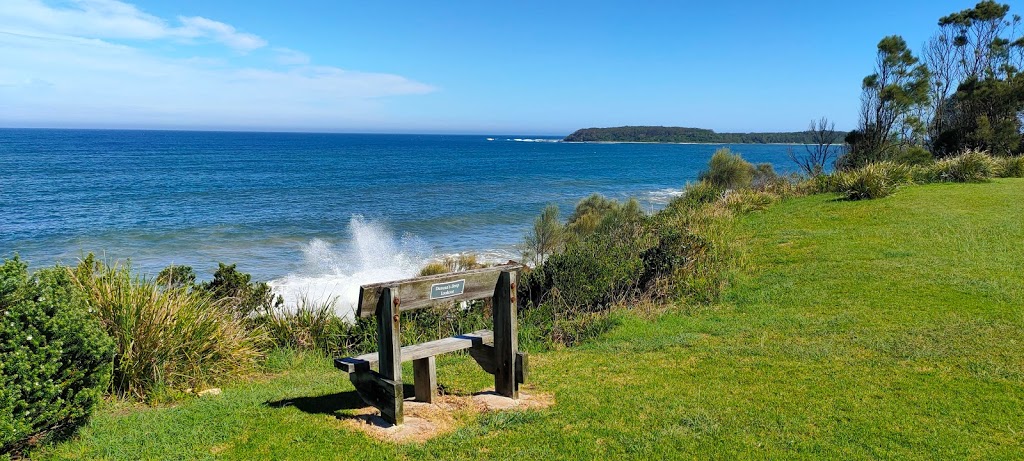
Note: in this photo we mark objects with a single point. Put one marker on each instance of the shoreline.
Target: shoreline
(693, 143)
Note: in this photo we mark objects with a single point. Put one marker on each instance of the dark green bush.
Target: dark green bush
(240, 292)
(913, 155)
(597, 271)
(176, 277)
(727, 170)
(55, 359)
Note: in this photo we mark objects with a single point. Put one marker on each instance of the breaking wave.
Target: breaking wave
(335, 272)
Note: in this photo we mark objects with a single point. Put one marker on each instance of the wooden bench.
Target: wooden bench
(497, 351)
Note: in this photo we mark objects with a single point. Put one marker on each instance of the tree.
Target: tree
(823, 136)
(977, 51)
(546, 237)
(898, 86)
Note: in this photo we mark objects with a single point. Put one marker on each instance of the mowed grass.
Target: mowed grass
(890, 328)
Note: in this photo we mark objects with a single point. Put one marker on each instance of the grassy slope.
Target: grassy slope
(887, 328)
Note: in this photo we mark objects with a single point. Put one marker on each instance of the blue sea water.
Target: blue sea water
(313, 213)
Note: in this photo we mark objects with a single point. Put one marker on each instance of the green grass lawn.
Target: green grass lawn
(891, 328)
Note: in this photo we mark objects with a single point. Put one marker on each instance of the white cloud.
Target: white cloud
(113, 19)
(196, 27)
(288, 57)
(64, 65)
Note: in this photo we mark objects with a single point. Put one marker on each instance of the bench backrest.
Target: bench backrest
(420, 292)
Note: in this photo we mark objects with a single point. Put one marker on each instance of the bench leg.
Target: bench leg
(425, 375)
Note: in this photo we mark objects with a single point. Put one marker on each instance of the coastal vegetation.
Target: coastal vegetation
(918, 369)
(672, 134)
(964, 91)
(885, 291)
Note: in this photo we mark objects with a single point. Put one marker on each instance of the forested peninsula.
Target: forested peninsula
(670, 134)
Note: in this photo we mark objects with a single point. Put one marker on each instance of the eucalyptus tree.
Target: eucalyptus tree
(889, 98)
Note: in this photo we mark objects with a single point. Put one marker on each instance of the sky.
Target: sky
(527, 67)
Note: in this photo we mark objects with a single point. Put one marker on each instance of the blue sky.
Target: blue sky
(529, 67)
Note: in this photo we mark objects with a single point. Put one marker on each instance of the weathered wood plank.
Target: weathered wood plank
(389, 349)
(506, 336)
(418, 351)
(379, 392)
(484, 356)
(416, 293)
(425, 379)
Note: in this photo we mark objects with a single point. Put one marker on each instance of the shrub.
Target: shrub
(165, 338)
(596, 271)
(1011, 167)
(696, 194)
(309, 326)
(913, 155)
(727, 170)
(970, 166)
(745, 201)
(434, 268)
(589, 213)
(54, 356)
(872, 181)
(176, 277)
(765, 176)
(239, 292)
(546, 237)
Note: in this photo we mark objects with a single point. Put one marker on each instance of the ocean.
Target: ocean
(315, 215)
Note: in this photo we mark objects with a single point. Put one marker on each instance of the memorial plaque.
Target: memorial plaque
(447, 289)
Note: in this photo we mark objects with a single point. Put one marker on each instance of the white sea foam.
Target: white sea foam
(663, 196)
(374, 254)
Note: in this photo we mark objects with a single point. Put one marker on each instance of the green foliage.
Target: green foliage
(176, 277)
(747, 200)
(764, 176)
(546, 237)
(1011, 167)
(873, 181)
(670, 134)
(850, 305)
(621, 257)
(589, 213)
(971, 166)
(239, 292)
(54, 357)
(462, 262)
(166, 339)
(598, 270)
(913, 155)
(697, 194)
(311, 326)
(434, 268)
(727, 170)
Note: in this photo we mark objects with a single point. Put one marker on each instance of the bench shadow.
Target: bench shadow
(330, 404)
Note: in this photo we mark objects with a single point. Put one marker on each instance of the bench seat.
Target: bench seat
(419, 351)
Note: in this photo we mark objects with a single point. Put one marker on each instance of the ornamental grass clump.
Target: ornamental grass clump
(55, 358)
(875, 180)
(1011, 167)
(970, 166)
(166, 338)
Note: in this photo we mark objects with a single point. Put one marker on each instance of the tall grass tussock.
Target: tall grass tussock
(166, 339)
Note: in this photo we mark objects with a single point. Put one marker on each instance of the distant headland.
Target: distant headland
(673, 134)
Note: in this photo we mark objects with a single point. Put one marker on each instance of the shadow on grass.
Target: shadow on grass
(329, 404)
